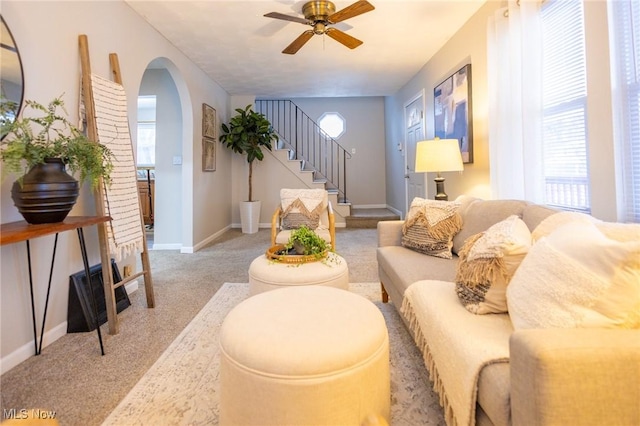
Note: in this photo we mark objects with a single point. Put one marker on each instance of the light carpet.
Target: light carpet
(181, 388)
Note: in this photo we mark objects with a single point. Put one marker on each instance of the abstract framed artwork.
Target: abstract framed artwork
(208, 155)
(209, 122)
(453, 111)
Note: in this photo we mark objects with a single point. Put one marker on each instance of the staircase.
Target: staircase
(305, 149)
(307, 142)
(317, 159)
(308, 177)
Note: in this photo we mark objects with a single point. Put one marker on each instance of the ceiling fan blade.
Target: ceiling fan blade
(357, 8)
(342, 37)
(298, 43)
(277, 15)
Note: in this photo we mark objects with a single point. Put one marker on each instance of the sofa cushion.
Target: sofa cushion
(404, 266)
(430, 227)
(488, 260)
(481, 214)
(577, 277)
(455, 344)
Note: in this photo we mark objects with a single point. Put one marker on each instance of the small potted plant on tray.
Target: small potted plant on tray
(37, 148)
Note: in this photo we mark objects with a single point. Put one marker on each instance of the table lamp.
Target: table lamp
(439, 155)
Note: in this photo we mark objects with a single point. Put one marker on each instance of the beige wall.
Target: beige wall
(468, 45)
(46, 34)
(365, 175)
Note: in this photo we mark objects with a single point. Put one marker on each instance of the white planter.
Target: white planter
(250, 216)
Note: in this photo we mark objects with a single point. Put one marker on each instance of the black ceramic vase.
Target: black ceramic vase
(47, 193)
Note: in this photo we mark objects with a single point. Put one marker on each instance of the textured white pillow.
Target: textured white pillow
(622, 232)
(577, 277)
(487, 262)
(430, 226)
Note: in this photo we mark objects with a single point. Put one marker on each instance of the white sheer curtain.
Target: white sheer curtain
(515, 100)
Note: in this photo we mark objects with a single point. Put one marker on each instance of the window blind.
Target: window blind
(625, 25)
(564, 96)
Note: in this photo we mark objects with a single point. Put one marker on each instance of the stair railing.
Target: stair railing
(317, 150)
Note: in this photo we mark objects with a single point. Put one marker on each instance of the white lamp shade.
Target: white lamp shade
(440, 155)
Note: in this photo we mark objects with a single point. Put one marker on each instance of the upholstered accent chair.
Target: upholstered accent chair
(310, 207)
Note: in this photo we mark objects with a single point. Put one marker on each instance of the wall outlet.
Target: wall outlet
(127, 271)
(353, 150)
(177, 160)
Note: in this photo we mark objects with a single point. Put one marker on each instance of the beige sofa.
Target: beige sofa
(537, 376)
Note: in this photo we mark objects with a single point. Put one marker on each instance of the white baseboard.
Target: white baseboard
(27, 350)
(204, 242)
(173, 246)
(396, 211)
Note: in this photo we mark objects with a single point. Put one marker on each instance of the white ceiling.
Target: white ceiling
(241, 49)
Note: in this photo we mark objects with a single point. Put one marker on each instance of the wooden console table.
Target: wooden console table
(15, 232)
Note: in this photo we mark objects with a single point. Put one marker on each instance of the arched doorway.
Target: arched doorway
(162, 83)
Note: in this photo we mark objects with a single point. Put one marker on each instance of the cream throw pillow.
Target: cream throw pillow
(622, 232)
(577, 277)
(556, 220)
(487, 262)
(430, 227)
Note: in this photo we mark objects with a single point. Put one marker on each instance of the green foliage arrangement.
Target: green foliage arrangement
(308, 242)
(27, 141)
(247, 133)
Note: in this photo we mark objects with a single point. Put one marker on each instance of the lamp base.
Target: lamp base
(440, 194)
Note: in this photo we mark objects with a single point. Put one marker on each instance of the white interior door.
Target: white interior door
(414, 133)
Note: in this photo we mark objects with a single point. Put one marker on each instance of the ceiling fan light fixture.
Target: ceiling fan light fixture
(320, 14)
(319, 28)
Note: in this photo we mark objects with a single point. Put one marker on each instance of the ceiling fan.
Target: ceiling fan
(321, 14)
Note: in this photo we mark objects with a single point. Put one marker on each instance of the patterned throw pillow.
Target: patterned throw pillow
(302, 207)
(577, 277)
(430, 227)
(488, 260)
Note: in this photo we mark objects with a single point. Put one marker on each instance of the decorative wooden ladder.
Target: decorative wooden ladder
(92, 130)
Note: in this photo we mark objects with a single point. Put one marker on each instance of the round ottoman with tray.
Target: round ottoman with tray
(310, 355)
(270, 272)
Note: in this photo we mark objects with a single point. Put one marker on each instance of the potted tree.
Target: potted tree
(37, 147)
(247, 133)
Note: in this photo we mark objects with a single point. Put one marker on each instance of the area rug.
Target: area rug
(181, 388)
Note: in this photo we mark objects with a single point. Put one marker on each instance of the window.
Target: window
(625, 23)
(333, 124)
(146, 147)
(564, 96)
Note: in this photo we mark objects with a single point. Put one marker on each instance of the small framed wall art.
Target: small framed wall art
(208, 155)
(453, 111)
(209, 122)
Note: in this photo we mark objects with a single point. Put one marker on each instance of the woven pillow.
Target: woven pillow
(302, 207)
(488, 260)
(577, 277)
(430, 227)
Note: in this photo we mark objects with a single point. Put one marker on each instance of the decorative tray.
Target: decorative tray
(278, 253)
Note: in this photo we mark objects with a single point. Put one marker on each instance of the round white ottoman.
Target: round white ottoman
(265, 274)
(304, 355)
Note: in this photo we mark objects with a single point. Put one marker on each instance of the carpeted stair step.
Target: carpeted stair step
(369, 218)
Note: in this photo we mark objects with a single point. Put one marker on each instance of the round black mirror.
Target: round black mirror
(11, 76)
